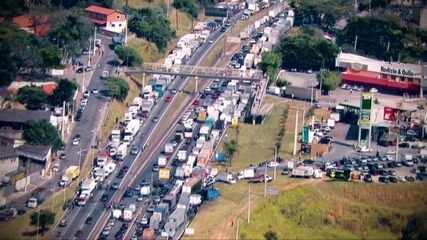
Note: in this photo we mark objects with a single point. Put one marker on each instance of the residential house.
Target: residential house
(37, 25)
(9, 161)
(11, 138)
(108, 19)
(46, 87)
(18, 119)
(35, 158)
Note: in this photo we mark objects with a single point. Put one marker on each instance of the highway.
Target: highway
(149, 136)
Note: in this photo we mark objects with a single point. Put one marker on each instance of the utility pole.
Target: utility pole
(275, 163)
(196, 87)
(249, 202)
(355, 43)
(265, 181)
(237, 231)
(296, 132)
(397, 137)
(94, 42)
(63, 121)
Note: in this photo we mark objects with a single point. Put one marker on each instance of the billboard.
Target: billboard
(365, 109)
(305, 134)
(390, 114)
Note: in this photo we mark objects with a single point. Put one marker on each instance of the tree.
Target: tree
(42, 219)
(71, 32)
(51, 56)
(32, 97)
(188, 6)
(271, 235)
(128, 55)
(42, 133)
(230, 148)
(330, 80)
(153, 25)
(416, 228)
(12, 8)
(270, 64)
(117, 88)
(64, 92)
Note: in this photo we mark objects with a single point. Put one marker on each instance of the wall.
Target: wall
(8, 165)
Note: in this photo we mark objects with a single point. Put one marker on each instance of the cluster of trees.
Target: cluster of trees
(128, 55)
(305, 52)
(34, 98)
(42, 219)
(385, 38)
(188, 6)
(270, 64)
(323, 13)
(330, 80)
(23, 52)
(42, 133)
(151, 24)
(117, 88)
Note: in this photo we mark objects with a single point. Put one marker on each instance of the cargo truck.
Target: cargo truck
(164, 174)
(162, 161)
(86, 191)
(303, 171)
(71, 173)
(127, 215)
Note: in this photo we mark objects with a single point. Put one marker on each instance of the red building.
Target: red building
(110, 19)
(375, 73)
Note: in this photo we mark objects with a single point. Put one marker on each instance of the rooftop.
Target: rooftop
(23, 116)
(11, 133)
(100, 10)
(36, 152)
(26, 22)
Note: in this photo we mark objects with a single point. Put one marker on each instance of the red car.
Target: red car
(168, 98)
(196, 103)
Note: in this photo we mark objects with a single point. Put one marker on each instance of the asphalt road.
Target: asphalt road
(95, 208)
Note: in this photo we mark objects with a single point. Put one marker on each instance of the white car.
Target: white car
(373, 90)
(83, 103)
(86, 94)
(344, 86)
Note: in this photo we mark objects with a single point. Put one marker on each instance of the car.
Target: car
(105, 232)
(78, 115)
(86, 51)
(140, 198)
(285, 172)
(104, 197)
(393, 179)
(78, 234)
(89, 220)
(409, 178)
(115, 186)
(63, 223)
(88, 69)
(86, 94)
(155, 119)
(95, 91)
(76, 139)
(210, 41)
(367, 178)
(155, 168)
(83, 103)
(384, 179)
(55, 167)
(129, 193)
(80, 70)
(373, 90)
(134, 150)
(173, 91)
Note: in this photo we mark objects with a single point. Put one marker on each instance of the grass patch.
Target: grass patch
(338, 210)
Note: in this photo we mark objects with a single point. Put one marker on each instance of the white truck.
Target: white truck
(247, 173)
(162, 161)
(169, 147)
(127, 215)
(145, 190)
(182, 155)
(122, 151)
(115, 135)
(86, 191)
(99, 174)
(132, 127)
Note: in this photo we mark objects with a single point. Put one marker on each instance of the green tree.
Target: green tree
(51, 56)
(230, 148)
(42, 219)
(270, 64)
(188, 6)
(129, 56)
(117, 88)
(153, 25)
(12, 8)
(32, 97)
(330, 80)
(64, 92)
(271, 235)
(71, 32)
(416, 228)
(42, 133)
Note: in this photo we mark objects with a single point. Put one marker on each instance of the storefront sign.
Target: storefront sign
(398, 71)
(390, 114)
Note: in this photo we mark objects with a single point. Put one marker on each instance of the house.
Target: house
(9, 161)
(17, 119)
(47, 87)
(108, 19)
(35, 157)
(37, 25)
(11, 138)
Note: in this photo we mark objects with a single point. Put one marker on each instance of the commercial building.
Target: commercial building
(108, 19)
(395, 76)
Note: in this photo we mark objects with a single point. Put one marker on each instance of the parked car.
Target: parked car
(76, 139)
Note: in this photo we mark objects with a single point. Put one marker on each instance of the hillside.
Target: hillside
(334, 210)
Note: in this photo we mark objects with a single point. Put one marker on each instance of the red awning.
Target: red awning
(375, 79)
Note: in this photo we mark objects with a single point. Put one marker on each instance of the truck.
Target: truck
(303, 171)
(162, 161)
(169, 147)
(122, 151)
(247, 173)
(109, 167)
(71, 173)
(127, 215)
(148, 234)
(249, 60)
(300, 93)
(115, 135)
(132, 127)
(205, 154)
(99, 174)
(86, 191)
(145, 190)
(146, 107)
(101, 159)
(192, 185)
(182, 155)
(164, 174)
